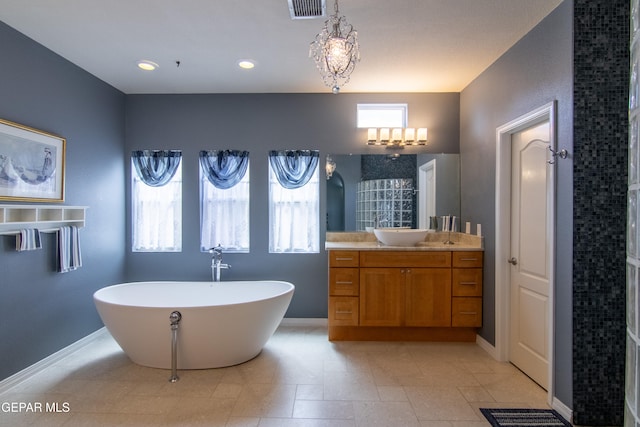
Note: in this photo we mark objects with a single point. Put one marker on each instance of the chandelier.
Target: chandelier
(335, 51)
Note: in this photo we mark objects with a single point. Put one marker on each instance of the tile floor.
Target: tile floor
(299, 379)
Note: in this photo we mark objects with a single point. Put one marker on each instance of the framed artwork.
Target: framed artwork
(31, 164)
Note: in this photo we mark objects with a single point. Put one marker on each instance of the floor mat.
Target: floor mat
(524, 417)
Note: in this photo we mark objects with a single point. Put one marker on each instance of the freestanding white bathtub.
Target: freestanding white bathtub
(223, 323)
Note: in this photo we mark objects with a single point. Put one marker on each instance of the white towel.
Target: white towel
(69, 255)
(28, 240)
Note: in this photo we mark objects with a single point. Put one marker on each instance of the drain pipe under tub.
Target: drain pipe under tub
(174, 318)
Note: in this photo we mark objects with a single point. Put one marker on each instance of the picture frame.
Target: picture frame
(32, 164)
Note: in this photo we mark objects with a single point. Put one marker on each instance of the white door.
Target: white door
(426, 193)
(530, 245)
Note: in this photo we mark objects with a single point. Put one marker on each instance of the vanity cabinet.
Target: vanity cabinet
(418, 294)
(467, 289)
(344, 288)
(404, 295)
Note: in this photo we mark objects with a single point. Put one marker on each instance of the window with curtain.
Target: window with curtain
(294, 197)
(156, 201)
(224, 200)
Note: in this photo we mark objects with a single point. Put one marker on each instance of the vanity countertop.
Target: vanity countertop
(363, 241)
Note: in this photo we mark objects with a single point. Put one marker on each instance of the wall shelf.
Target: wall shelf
(46, 218)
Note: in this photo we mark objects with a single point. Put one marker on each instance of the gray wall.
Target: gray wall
(260, 123)
(536, 71)
(42, 310)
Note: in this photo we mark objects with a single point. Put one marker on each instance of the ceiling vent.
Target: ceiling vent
(307, 9)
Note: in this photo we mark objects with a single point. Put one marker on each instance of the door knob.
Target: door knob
(513, 261)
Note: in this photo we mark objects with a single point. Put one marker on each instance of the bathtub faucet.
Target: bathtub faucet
(216, 263)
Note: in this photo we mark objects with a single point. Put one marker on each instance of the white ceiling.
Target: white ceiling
(405, 45)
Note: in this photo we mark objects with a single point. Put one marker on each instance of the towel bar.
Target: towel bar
(16, 232)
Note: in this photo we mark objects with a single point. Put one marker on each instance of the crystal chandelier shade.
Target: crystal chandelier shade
(335, 51)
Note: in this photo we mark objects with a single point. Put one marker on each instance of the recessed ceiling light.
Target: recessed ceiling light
(247, 64)
(147, 65)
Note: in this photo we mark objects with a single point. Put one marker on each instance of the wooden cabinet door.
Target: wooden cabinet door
(381, 296)
(428, 297)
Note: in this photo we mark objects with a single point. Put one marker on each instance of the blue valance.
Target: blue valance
(156, 167)
(224, 168)
(294, 168)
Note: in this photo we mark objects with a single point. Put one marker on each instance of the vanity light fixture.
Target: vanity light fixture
(147, 65)
(396, 137)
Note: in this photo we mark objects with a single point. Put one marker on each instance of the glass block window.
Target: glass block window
(384, 203)
(632, 383)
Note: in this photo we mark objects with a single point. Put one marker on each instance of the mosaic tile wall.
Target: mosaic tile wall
(391, 166)
(601, 86)
(632, 405)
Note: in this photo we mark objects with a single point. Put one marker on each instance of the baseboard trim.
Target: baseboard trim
(303, 321)
(488, 347)
(15, 379)
(562, 409)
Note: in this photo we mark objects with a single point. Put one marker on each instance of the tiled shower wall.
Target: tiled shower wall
(600, 182)
(632, 404)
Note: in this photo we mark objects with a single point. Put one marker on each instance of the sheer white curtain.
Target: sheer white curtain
(224, 215)
(294, 216)
(157, 214)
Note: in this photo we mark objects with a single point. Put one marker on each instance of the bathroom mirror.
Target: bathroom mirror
(391, 190)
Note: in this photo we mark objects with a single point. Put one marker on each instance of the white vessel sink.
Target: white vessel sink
(400, 236)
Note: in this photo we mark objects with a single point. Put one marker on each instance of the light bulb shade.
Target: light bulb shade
(396, 135)
(422, 135)
(384, 135)
(372, 135)
(409, 135)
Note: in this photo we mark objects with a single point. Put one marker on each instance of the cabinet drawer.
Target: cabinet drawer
(343, 259)
(343, 311)
(467, 282)
(467, 259)
(344, 281)
(402, 259)
(466, 312)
